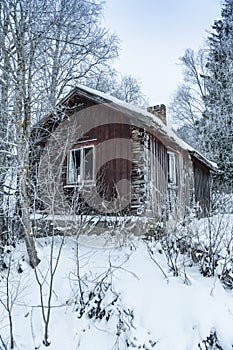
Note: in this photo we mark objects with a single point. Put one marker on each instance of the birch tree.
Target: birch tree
(45, 46)
(20, 47)
(4, 88)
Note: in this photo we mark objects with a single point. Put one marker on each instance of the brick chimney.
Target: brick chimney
(159, 111)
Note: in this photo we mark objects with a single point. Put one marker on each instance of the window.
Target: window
(80, 165)
(172, 179)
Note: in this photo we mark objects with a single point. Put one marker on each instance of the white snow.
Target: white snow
(167, 313)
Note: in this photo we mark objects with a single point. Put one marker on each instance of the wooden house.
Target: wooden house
(96, 154)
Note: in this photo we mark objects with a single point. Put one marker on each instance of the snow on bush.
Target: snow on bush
(147, 294)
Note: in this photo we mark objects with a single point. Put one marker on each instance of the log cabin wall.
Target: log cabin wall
(152, 195)
(149, 174)
(140, 158)
(138, 171)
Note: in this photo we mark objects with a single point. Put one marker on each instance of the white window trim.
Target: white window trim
(172, 165)
(75, 182)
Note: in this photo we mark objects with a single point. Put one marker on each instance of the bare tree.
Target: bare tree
(188, 104)
(47, 281)
(74, 47)
(129, 90)
(11, 291)
(4, 92)
(19, 48)
(45, 46)
(124, 87)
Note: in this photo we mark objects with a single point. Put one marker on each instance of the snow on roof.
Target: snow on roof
(143, 115)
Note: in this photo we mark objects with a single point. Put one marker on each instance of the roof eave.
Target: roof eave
(213, 166)
(144, 117)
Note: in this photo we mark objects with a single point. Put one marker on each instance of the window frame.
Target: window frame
(82, 181)
(172, 165)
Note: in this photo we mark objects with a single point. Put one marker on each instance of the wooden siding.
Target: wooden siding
(130, 160)
(158, 176)
(112, 164)
(109, 132)
(202, 186)
(185, 184)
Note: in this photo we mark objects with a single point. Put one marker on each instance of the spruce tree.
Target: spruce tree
(217, 126)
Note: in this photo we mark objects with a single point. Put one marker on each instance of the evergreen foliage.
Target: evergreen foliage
(203, 103)
(218, 126)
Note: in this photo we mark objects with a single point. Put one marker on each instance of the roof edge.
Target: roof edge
(212, 165)
(152, 120)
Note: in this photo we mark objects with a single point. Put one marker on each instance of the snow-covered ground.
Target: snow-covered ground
(127, 297)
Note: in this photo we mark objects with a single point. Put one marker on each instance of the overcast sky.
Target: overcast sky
(154, 34)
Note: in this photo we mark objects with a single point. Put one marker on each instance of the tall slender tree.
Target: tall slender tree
(45, 47)
(218, 127)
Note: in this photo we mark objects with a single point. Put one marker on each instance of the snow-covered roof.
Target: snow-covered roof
(142, 115)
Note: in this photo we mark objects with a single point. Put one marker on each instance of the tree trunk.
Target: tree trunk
(26, 222)
(23, 122)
